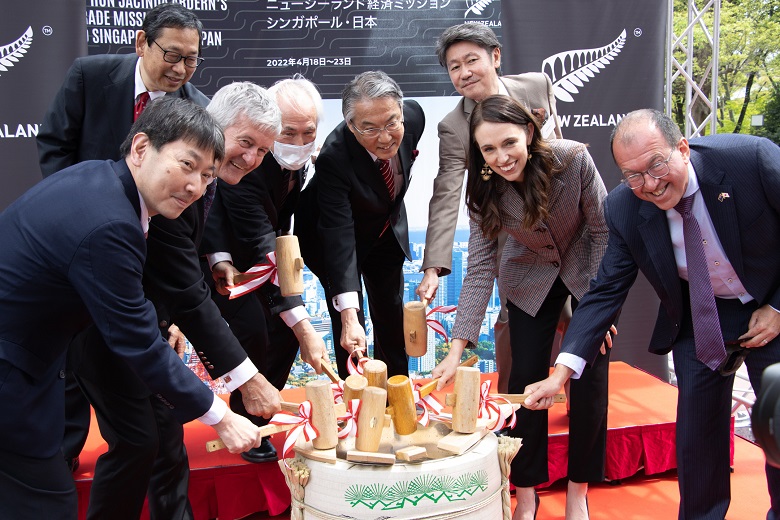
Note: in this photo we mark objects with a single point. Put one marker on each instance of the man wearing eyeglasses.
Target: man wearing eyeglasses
(351, 219)
(701, 220)
(94, 108)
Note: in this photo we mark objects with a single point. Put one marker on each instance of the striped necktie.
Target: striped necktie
(706, 326)
(387, 175)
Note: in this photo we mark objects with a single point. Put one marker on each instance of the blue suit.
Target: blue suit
(73, 252)
(739, 179)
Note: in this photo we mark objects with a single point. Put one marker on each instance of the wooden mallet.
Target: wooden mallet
(289, 265)
(415, 328)
(402, 406)
(272, 429)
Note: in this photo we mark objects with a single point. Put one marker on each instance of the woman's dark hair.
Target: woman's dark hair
(482, 197)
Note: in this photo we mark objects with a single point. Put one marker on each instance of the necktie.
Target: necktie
(706, 327)
(208, 198)
(285, 186)
(140, 104)
(387, 175)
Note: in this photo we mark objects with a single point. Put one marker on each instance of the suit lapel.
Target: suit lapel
(655, 235)
(722, 210)
(119, 97)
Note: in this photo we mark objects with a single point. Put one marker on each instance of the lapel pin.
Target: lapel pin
(723, 196)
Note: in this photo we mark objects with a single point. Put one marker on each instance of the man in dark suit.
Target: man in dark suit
(145, 445)
(733, 183)
(92, 113)
(351, 220)
(243, 230)
(66, 272)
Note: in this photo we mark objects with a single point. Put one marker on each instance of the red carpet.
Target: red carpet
(640, 451)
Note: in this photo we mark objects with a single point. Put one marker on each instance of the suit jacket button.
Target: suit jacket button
(556, 264)
(211, 367)
(163, 323)
(62, 374)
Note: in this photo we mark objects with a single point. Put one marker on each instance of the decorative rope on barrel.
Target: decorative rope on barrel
(507, 449)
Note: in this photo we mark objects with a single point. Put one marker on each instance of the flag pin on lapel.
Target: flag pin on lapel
(723, 196)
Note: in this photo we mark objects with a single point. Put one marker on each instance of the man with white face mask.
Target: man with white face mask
(253, 213)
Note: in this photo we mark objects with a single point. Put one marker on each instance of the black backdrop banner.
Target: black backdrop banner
(328, 41)
(605, 58)
(39, 39)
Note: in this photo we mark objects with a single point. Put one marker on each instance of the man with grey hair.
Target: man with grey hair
(243, 230)
(701, 220)
(351, 220)
(145, 445)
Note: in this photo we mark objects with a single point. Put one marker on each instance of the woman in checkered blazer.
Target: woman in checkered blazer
(547, 196)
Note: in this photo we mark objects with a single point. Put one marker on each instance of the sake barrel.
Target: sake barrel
(466, 486)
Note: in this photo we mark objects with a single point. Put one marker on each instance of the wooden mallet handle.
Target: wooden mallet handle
(271, 429)
(430, 386)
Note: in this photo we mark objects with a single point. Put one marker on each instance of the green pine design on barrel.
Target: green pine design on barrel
(410, 493)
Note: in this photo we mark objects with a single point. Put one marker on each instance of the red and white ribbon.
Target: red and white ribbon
(350, 420)
(262, 273)
(352, 368)
(435, 325)
(338, 391)
(427, 403)
(304, 426)
(490, 405)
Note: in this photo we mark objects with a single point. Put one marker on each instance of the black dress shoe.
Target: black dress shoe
(265, 453)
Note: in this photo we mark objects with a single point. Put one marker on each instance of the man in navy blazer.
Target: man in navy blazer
(146, 456)
(349, 224)
(735, 184)
(92, 113)
(74, 249)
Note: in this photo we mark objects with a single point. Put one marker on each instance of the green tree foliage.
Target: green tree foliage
(749, 61)
(771, 128)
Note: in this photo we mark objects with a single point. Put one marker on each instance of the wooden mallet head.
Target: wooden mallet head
(289, 265)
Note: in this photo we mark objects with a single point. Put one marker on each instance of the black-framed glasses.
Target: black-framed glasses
(174, 57)
(657, 171)
(391, 127)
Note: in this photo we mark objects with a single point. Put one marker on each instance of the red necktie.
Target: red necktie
(140, 104)
(387, 176)
(706, 326)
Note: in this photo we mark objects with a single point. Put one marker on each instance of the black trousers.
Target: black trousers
(704, 415)
(531, 338)
(77, 412)
(383, 279)
(33, 489)
(146, 457)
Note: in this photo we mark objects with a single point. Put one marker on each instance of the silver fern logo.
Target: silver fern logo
(14, 51)
(476, 7)
(570, 70)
